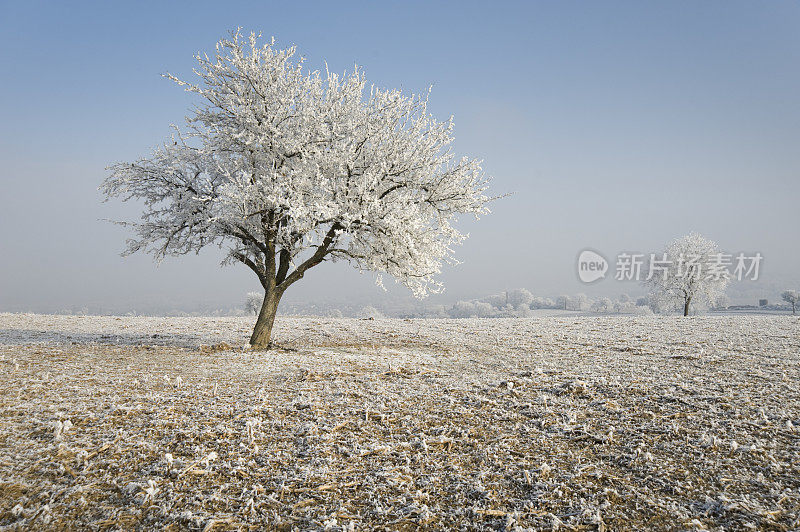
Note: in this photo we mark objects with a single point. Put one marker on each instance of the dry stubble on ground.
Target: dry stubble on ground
(546, 423)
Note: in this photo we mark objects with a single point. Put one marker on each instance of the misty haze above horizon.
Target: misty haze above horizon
(617, 127)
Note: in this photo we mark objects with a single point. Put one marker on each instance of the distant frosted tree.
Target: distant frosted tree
(519, 297)
(522, 310)
(689, 275)
(621, 307)
(722, 302)
(484, 310)
(624, 304)
(580, 302)
(497, 300)
(542, 302)
(253, 301)
(462, 309)
(286, 169)
(793, 298)
(603, 304)
(658, 304)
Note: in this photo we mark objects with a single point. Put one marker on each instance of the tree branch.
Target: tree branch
(313, 260)
(253, 266)
(283, 267)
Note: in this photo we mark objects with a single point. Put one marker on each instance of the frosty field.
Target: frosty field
(580, 423)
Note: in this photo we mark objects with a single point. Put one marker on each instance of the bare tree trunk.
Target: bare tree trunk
(686, 306)
(262, 333)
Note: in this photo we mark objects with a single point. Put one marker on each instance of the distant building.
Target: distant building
(763, 302)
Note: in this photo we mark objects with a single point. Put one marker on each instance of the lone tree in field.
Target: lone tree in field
(793, 298)
(252, 302)
(691, 271)
(287, 168)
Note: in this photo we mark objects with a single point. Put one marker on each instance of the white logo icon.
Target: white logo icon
(591, 266)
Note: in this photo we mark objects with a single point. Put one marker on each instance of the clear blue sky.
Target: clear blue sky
(617, 125)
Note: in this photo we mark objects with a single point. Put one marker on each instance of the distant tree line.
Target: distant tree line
(522, 303)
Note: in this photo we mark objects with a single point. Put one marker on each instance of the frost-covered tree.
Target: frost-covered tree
(603, 304)
(286, 168)
(484, 310)
(522, 310)
(793, 298)
(687, 273)
(542, 302)
(624, 304)
(252, 302)
(497, 300)
(518, 297)
(722, 302)
(462, 309)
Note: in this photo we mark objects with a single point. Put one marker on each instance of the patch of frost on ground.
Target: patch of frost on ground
(562, 421)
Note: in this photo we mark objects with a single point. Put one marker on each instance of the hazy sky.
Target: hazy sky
(617, 126)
